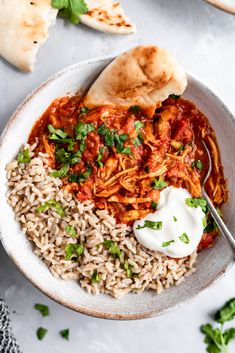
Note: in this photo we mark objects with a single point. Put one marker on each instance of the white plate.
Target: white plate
(212, 263)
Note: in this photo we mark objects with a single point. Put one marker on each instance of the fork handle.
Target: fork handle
(222, 227)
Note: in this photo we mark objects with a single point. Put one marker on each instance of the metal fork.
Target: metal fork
(222, 227)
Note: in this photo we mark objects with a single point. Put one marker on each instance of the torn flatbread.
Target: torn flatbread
(107, 16)
(143, 76)
(24, 28)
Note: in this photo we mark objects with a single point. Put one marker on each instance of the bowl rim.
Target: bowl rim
(221, 6)
(55, 297)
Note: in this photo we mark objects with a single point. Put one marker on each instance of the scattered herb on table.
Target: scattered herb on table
(41, 333)
(175, 219)
(65, 334)
(216, 338)
(71, 9)
(24, 156)
(43, 309)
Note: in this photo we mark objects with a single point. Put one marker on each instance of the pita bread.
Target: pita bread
(24, 28)
(107, 16)
(143, 76)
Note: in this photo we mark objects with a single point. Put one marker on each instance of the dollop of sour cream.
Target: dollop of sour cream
(178, 227)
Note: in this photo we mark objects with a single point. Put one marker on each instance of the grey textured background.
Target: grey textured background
(203, 39)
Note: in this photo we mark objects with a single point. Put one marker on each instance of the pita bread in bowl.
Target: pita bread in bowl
(24, 27)
(143, 76)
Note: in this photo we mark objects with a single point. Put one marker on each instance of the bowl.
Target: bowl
(225, 5)
(212, 263)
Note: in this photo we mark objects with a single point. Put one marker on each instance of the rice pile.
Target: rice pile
(30, 185)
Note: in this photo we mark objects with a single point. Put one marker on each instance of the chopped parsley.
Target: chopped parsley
(61, 172)
(146, 169)
(81, 177)
(65, 334)
(56, 134)
(159, 183)
(197, 202)
(174, 96)
(51, 204)
(41, 333)
(197, 164)
(167, 243)
(138, 125)
(138, 140)
(71, 9)
(43, 309)
(112, 247)
(71, 231)
(95, 277)
(113, 139)
(82, 130)
(154, 205)
(151, 225)
(134, 109)
(65, 157)
(84, 110)
(24, 156)
(184, 238)
(128, 268)
(175, 219)
(73, 251)
(100, 157)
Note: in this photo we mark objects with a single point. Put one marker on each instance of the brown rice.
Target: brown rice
(30, 185)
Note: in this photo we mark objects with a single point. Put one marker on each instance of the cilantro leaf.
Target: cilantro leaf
(107, 135)
(128, 269)
(73, 251)
(154, 205)
(135, 109)
(159, 184)
(95, 277)
(138, 125)
(82, 130)
(229, 335)
(84, 110)
(24, 156)
(174, 96)
(197, 202)
(227, 312)
(65, 334)
(184, 238)
(43, 309)
(112, 247)
(167, 243)
(138, 140)
(51, 204)
(197, 164)
(71, 231)
(81, 177)
(56, 134)
(41, 333)
(100, 157)
(175, 219)
(61, 172)
(151, 224)
(72, 9)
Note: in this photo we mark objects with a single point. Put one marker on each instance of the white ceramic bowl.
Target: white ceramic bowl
(212, 263)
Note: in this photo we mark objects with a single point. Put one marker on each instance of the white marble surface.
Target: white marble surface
(203, 39)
